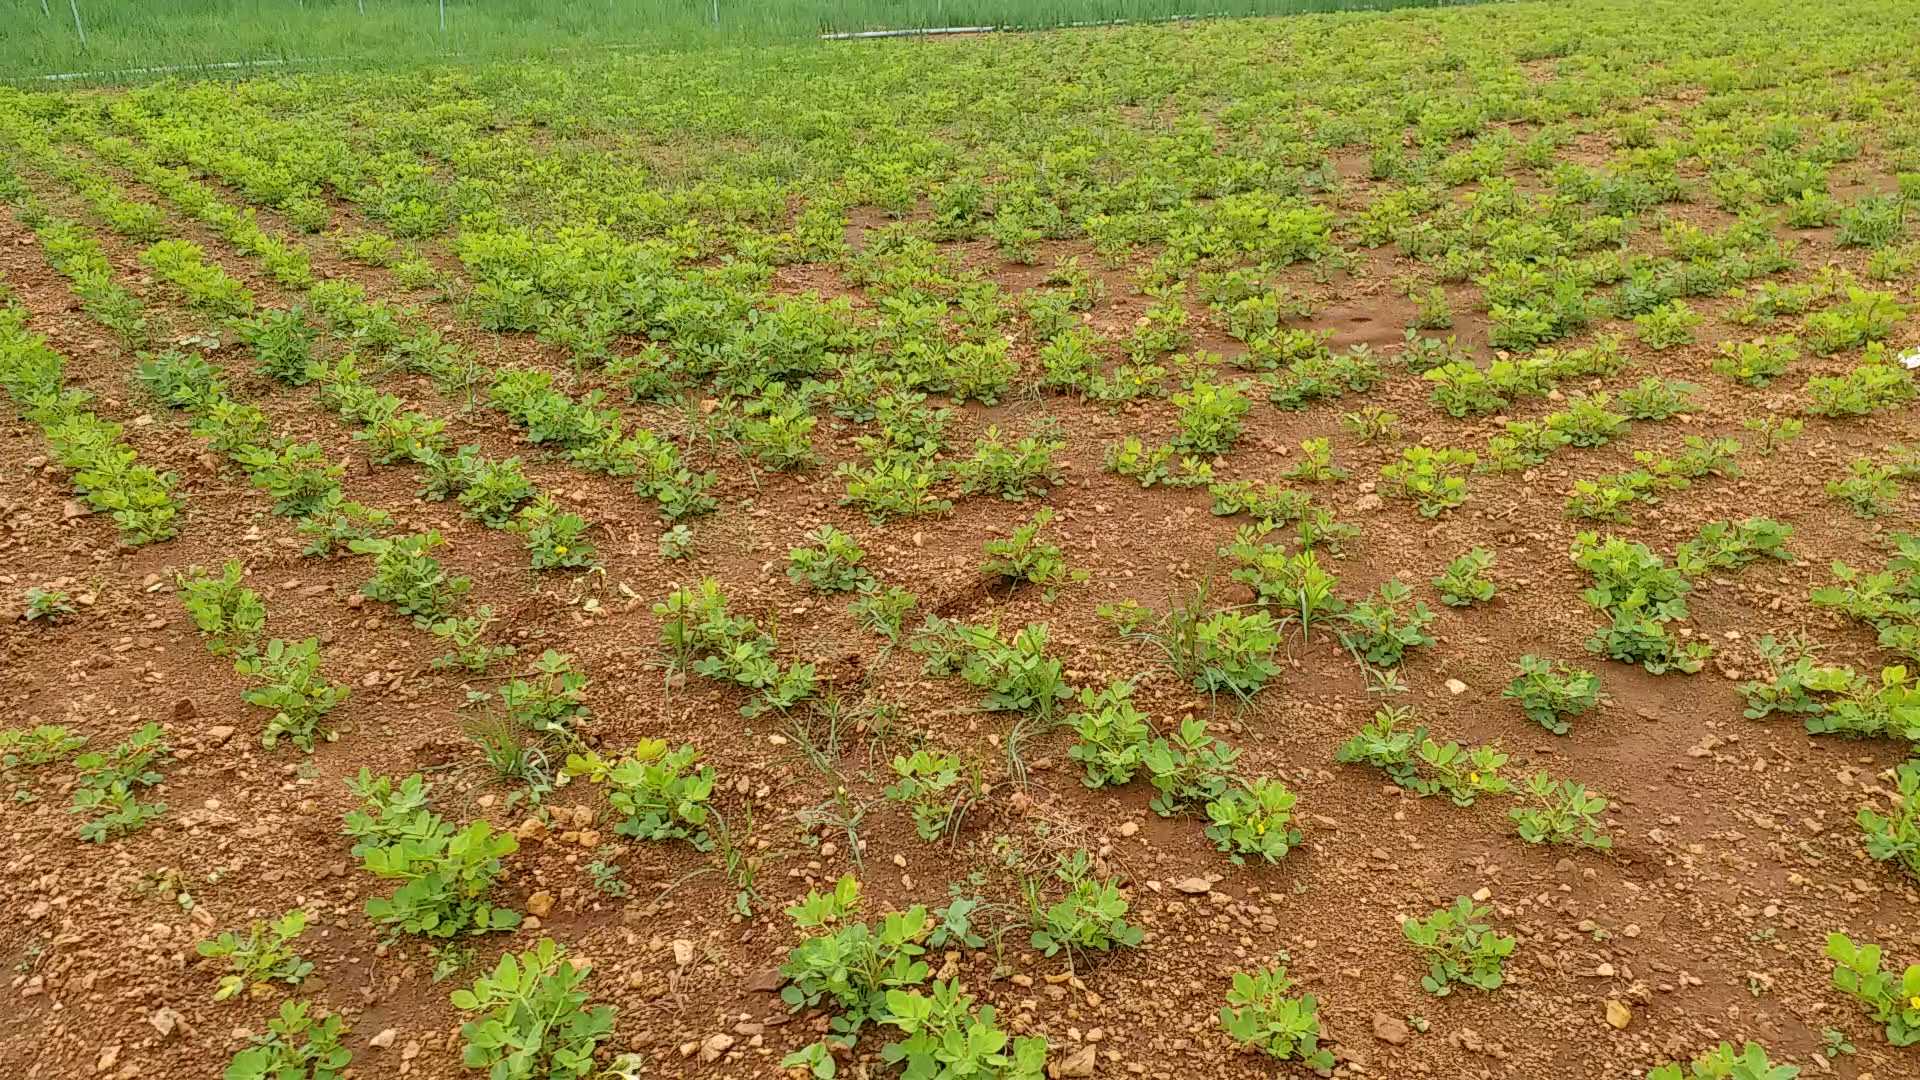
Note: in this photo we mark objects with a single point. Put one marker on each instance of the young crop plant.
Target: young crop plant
(852, 965)
(334, 527)
(1725, 1063)
(412, 580)
(1259, 1013)
(535, 1020)
(298, 476)
(1726, 545)
(1090, 917)
(946, 1036)
(282, 343)
(1296, 584)
(1586, 422)
(297, 1046)
(1561, 812)
(1210, 418)
(702, 635)
(892, 486)
(1013, 472)
(556, 539)
(1387, 744)
(1868, 488)
(1371, 424)
(1774, 432)
(110, 784)
(1667, 325)
(466, 634)
(1757, 362)
(1254, 817)
(1189, 770)
(1464, 582)
(1460, 948)
(1383, 629)
(1234, 651)
(1316, 463)
(261, 958)
(1866, 316)
(1552, 692)
(291, 685)
(46, 605)
(446, 877)
(831, 563)
(1461, 773)
(1892, 1000)
(883, 610)
(1434, 480)
(1657, 399)
(927, 783)
(492, 490)
(1016, 673)
(1895, 837)
(1024, 557)
(1113, 736)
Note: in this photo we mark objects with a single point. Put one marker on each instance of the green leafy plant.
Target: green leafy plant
(1023, 556)
(292, 686)
(831, 564)
(1463, 583)
(110, 783)
(1459, 947)
(1563, 812)
(535, 1020)
(1867, 489)
(297, 1046)
(1435, 480)
(1726, 1063)
(1090, 917)
(556, 539)
(1892, 1000)
(662, 792)
(1383, 629)
(1254, 817)
(1191, 769)
(1895, 837)
(47, 605)
(1667, 325)
(1113, 735)
(1553, 692)
(1260, 1013)
(407, 576)
(927, 783)
(446, 878)
(264, 956)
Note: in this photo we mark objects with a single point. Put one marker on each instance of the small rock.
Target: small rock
(1078, 1063)
(1389, 1029)
(219, 733)
(715, 1045)
(1128, 828)
(540, 904)
(1455, 686)
(384, 1039)
(164, 1020)
(682, 952)
(109, 1057)
(768, 981)
(1618, 1015)
(1193, 886)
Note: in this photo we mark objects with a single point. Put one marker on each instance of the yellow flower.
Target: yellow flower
(559, 549)
(1914, 1002)
(1473, 778)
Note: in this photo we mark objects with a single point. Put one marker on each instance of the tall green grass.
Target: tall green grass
(39, 39)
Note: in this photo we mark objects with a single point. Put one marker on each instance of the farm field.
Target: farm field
(1369, 544)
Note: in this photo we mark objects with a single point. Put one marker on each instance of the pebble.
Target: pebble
(1389, 1029)
(1618, 1015)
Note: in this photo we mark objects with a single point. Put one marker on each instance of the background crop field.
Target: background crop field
(121, 37)
(1380, 544)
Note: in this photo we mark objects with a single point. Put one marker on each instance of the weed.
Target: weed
(264, 956)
